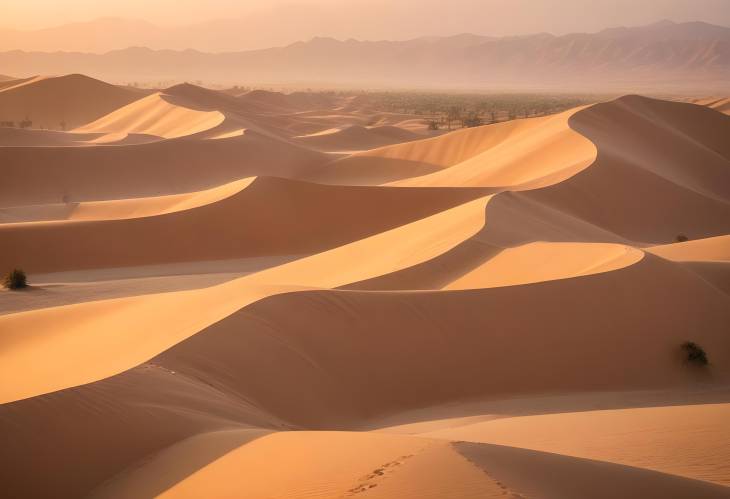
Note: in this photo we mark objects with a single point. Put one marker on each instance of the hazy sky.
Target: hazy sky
(392, 19)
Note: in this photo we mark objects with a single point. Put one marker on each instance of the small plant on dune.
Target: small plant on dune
(695, 354)
(472, 121)
(433, 125)
(15, 279)
(682, 238)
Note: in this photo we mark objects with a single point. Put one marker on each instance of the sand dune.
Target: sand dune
(23, 137)
(156, 115)
(711, 249)
(7, 81)
(516, 152)
(356, 138)
(222, 217)
(553, 475)
(75, 174)
(121, 209)
(468, 315)
(63, 102)
(363, 377)
(421, 240)
(718, 104)
(673, 137)
(659, 438)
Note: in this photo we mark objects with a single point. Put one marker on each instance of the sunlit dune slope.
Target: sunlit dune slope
(530, 151)
(323, 363)
(662, 170)
(393, 467)
(520, 279)
(597, 164)
(121, 208)
(521, 242)
(7, 81)
(660, 438)
(711, 249)
(537, 474)
(70, 100)
(409, 245)
(718, 104)
(267, 217)
(708, 258)
(157, 115)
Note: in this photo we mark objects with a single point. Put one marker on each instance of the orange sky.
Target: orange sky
(381, 18)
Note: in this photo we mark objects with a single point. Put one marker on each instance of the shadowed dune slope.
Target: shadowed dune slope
(25, 137)
(50, 175)
(323, 364)
(7, 82)
(492, 268)
(677, 152)
(710, 249)
(539, 474)
(121, 209)
(495, 155)
(124, 345)
(663, 439)
(663, 169)
(72, 99)
(268, 217)
(355, 138)
(718, 104)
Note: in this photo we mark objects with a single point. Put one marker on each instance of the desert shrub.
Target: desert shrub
(433, 125)
(473, 121)
(15, 279)
(682, 238)
(695, 353)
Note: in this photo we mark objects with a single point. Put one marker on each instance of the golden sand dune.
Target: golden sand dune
(421, 241)
(63, 102)
(157, 115)
(711, 249)
(718, 104)
(209, 301)
(501, 155)
(384, 466)
(74, 174)
(23, 137)
(363, 379)
(658, 438)
(122, 208)
(354, 138)
(7, 81)
(237, 220)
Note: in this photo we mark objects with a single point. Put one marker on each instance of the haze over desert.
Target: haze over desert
(478, 260)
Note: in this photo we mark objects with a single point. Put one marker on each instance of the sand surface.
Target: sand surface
(259, 294)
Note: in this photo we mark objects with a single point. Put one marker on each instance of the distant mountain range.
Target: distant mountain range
(661, 56)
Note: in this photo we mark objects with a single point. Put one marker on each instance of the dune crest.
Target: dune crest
(255, 293)
(158, 115)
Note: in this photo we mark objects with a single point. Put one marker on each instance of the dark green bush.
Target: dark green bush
(695, 353)
(15, 279)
